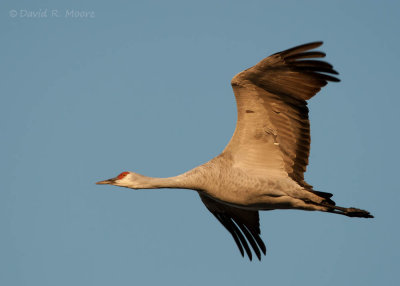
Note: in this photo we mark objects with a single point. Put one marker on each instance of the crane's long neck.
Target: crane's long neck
(183, 181)
(157, 183)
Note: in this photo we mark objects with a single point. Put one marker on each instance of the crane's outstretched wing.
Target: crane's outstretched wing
(242, 224)
(272, 134)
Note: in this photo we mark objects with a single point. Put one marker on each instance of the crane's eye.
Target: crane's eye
(122, 175)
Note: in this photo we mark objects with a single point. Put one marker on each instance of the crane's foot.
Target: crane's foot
(350, 212)
(354, 212)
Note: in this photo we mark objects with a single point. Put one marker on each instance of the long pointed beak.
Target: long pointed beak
(105, 182)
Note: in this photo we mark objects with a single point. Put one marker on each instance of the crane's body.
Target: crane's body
(263, 165)
(246, 190)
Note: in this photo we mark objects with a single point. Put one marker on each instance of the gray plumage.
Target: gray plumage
(263, 165)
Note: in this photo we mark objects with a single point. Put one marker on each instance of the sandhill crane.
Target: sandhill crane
(263, 165)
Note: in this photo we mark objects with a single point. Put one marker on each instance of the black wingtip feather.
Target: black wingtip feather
(250, 239)
(295, 57)
(232, 232)
(316, 69)
(313, 63)
(243, 236)
(305, 55)
(243, 225)
(301, 48)
(261, 244)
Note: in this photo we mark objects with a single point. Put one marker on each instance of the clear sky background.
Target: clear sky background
(145, 86)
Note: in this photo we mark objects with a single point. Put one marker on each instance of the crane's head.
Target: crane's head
(126, 179)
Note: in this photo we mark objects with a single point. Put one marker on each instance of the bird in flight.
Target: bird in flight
(263, 165)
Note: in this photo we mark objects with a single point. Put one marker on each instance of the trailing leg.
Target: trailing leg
(350, 212)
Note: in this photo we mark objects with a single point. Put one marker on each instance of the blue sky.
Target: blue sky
(145, 86)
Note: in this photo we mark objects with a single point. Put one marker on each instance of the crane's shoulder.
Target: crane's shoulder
(249, 75)
(241, 78)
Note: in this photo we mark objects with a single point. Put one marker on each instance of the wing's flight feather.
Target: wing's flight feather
(242, 224)
(273, 130)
